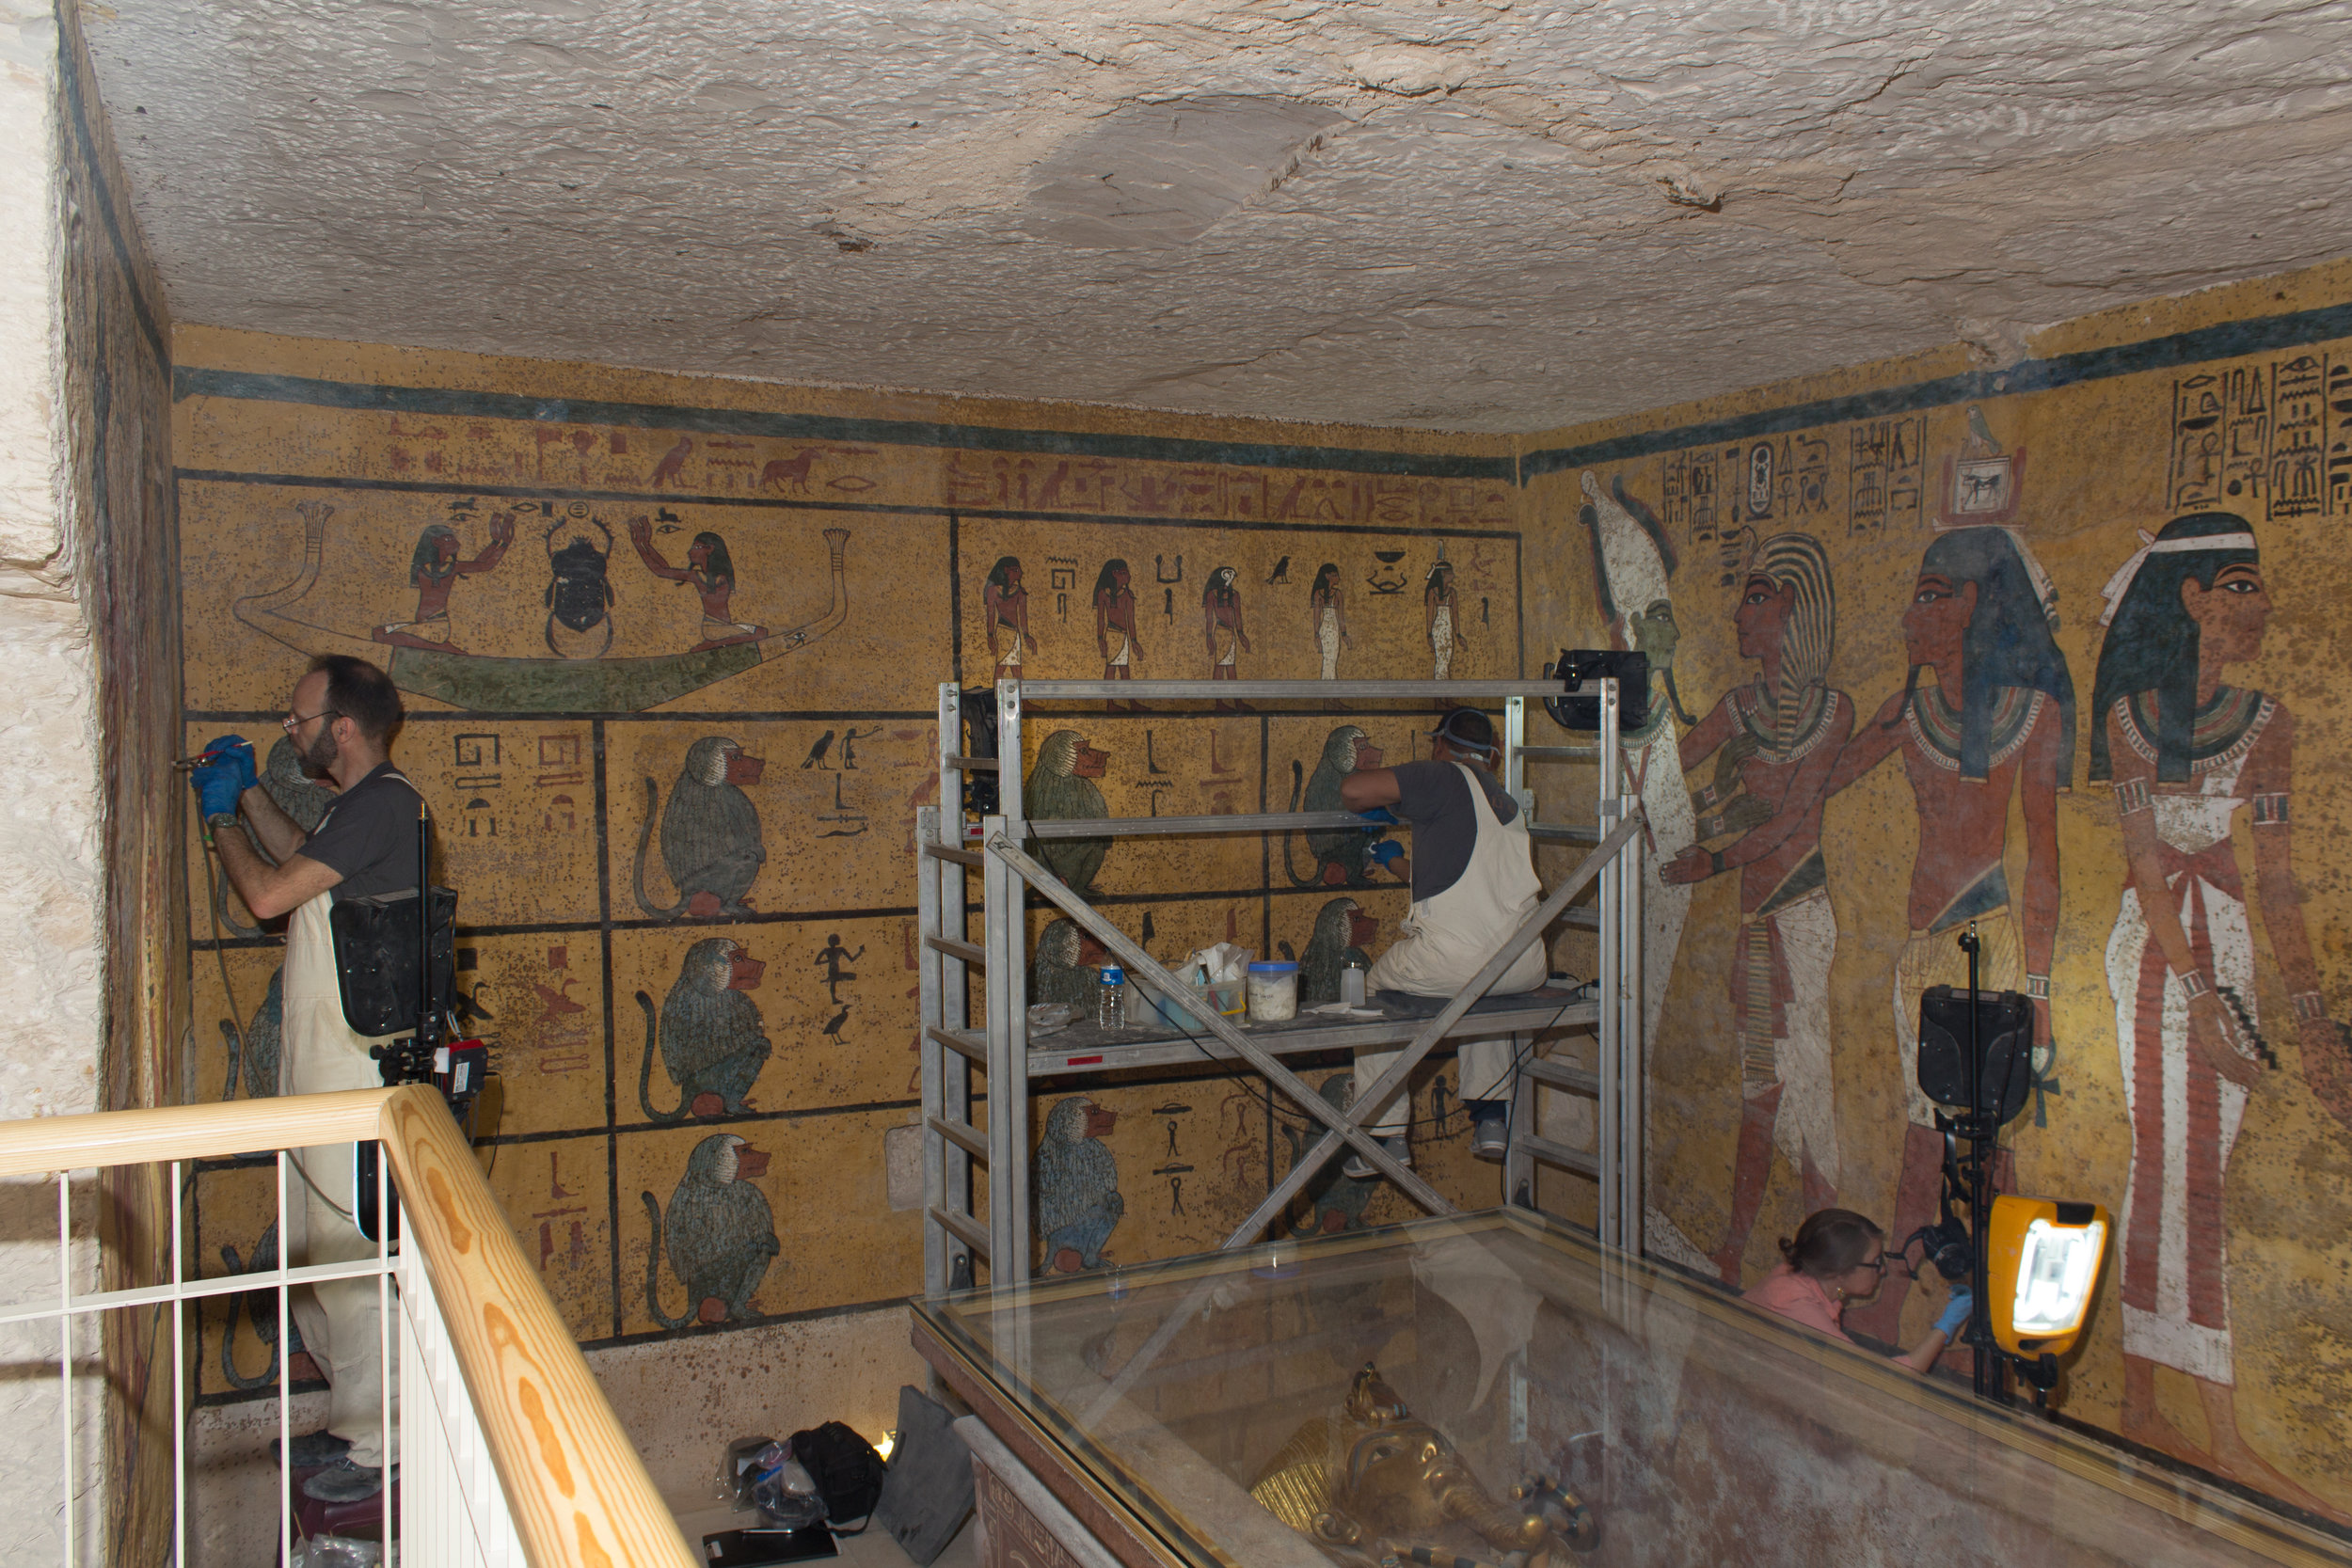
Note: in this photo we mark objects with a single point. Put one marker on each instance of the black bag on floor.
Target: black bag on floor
(847, 1470)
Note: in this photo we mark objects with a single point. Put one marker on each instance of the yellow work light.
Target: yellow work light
(2042, 1266)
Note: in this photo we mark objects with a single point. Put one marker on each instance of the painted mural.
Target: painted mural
(672, 674)
(1928, 688)
(673, 669)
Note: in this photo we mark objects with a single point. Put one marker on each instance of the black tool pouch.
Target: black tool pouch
(376, 957)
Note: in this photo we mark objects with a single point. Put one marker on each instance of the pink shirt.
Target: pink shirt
(1800, 1299)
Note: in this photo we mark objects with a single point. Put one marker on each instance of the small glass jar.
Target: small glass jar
(1273, 993)
(1352, 985)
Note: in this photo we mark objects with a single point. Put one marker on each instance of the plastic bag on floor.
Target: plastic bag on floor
(336, 1551)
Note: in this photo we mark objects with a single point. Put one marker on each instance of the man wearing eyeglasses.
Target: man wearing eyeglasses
(344, 715)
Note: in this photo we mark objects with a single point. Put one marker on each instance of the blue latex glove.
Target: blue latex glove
(1955, 1316)
(1381, 815)
(237, 752)
(1386, 853)
(216, 785)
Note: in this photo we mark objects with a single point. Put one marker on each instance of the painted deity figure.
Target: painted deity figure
(2187, 752)
(1007, 604)
(1633, 564)
(1327, 618)
(1979, 622)
(1776, 741)
(1115, 621)
(1222, 632)
(434, 570)
(710, 571)
(1440, 609)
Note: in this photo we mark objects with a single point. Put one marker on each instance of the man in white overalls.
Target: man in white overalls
(1473, 875)
(344, 714)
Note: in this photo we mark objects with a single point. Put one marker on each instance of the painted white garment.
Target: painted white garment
(1808, 1122)
(339, 1317)
(1120, 660)
(1442, 641)
(1444, 940)
(1328, 641)
(2191, 825)
(1637, 578)
(1232, 647)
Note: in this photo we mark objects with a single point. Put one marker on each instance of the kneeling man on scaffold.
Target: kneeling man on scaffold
(1474, 879)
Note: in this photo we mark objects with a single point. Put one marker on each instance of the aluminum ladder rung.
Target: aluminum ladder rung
(968, 952)
(1293, 691)
(970, 1043)
(1561, 753)
(971, 765)
(1559, 833)
(962, 1135)
(1559, 1154)
(1112, 827)
(961, 856)
(1560, 1075)
(965, 1229)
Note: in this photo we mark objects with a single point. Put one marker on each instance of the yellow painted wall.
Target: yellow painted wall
(2238, 399)
(549, 754)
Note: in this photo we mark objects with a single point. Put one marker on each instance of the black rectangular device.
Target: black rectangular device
(2004, 1034)
(756, 1548)
(1581, 671)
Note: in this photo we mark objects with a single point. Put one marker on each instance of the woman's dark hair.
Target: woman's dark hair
(2151, 645)
(1830, 1242)
(2008, 641)
(362, 693)
(1104, 582)
(1326, 577)
(718, 563)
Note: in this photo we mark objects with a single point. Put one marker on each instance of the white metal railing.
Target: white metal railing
(504, 1450)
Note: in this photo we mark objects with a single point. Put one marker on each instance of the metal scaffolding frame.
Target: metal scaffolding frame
(950, 847)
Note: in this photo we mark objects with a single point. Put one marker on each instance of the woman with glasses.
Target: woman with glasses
(1841, 1256)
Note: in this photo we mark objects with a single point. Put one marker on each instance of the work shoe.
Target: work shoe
(1490, 1132)
(1360, 1169)
(314, 1448)
(344, 1483)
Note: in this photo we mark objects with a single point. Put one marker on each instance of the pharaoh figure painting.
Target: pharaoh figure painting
(1776, 741)
(1115, 626)
(2187, 754)
(1006, 604)
(1979, 624)
(1222, 632)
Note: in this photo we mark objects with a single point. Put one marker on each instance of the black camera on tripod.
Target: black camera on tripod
(1578, 668)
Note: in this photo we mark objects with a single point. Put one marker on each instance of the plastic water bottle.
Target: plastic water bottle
(1110, 999)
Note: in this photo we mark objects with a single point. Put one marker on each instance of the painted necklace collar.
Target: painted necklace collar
(2225, 729)
(1936, 727)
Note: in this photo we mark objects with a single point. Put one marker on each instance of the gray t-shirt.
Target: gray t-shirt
(1435, 799)
(368, 834)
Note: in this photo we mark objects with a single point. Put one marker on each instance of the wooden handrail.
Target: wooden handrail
(575, 1486)
(45, 1144)
(573, 1483)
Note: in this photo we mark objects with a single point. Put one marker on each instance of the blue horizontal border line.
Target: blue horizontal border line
(193, 382)
(2228, 341)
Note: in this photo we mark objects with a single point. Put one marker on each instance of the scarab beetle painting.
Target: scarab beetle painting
(579, 594)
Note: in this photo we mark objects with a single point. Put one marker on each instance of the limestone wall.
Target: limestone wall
(1779, 1082)
(89, 1001)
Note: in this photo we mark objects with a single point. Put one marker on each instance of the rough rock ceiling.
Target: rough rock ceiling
(1433, 212)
